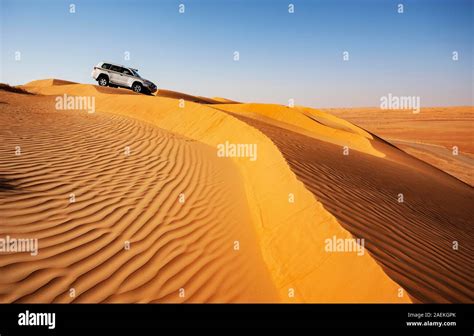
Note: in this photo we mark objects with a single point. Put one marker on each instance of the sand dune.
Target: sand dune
(184, 96)
(412, 240)
(224, 100)
(49, 82)
(310, 122)
(121, 198)
(281, 255)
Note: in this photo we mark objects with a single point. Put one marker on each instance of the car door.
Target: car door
(116, 75)
(127, 77)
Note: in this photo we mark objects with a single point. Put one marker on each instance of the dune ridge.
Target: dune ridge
(185, 97)
(310, 122)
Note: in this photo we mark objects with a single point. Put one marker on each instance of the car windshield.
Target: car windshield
(135, 73)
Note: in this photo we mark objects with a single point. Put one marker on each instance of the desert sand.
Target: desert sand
(235, 236)
(429, 135)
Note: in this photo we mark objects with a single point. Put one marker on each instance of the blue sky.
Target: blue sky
(282, 55)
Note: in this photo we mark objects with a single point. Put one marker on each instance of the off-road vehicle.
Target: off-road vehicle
(115, 75)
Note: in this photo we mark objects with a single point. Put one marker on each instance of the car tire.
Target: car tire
(137, 87)
(103, 81)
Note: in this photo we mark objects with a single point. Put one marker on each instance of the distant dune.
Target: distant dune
(185, 97)
(429, 135)
(49, 82)
(144, 173)
(224, 100)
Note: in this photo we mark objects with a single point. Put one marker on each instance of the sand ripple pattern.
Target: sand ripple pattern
(119, 198)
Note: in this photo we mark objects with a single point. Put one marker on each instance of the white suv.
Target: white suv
(110, 74)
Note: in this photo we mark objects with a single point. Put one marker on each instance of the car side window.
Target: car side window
(126, 72)
(106, 66)
(116, 68)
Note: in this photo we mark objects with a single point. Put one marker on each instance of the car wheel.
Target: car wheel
(103, 81)
(137, 87)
